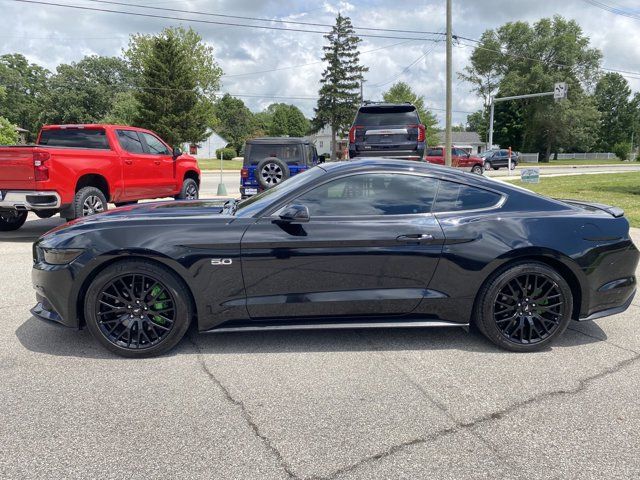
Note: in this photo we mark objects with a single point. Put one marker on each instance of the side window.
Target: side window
(130, 141)
(156, 147)
(454, 197)
(371, 194)
(434, 152)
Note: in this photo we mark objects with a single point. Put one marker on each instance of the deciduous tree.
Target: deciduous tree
(401, 92)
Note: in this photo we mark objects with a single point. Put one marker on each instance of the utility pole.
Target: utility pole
(447, 133)
(361, 91)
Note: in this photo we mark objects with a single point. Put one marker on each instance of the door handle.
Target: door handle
(129, 162)
(415, 237)
(157, 162)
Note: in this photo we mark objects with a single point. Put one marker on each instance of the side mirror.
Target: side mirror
(176, 152)
(322, 159)
(295, 214)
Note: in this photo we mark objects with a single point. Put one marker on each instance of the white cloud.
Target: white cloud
(51, 35)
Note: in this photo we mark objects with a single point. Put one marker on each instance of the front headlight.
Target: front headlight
(56, 256)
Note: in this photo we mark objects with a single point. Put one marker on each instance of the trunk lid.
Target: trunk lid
(16, 168)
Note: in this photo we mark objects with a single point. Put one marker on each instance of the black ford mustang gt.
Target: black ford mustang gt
(367, 243)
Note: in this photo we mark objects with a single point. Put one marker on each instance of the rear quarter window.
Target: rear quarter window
(94, 138)
(453, 197)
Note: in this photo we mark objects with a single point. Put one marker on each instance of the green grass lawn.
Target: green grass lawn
(618, 189)
(214, 164)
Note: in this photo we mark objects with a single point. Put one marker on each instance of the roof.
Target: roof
(277, 140)
(464, 138)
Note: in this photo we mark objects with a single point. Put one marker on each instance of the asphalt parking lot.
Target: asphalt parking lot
(413, 403)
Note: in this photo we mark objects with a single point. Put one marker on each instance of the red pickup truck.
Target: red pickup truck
(459, 159)
(77, 169)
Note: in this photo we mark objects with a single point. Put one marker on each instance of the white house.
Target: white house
(469, 141)
(207, 148)
(322, 141)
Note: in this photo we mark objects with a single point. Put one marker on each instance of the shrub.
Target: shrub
(228, 153)
(622, 150)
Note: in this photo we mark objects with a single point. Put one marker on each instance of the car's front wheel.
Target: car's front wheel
(487, 165)
(12, 220)
(477, 169)
(137, 308)
(525, 307)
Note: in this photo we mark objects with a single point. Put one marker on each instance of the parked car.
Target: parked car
(365, 243)
(459, 159)
(389, 130)
(269, 161)
(76, 170)
(496, 159)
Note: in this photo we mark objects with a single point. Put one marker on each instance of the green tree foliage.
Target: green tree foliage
(25, 83)
(84, 92)
(288, 120)
(169, 101)
(124, 109)
(622, 150)
(617, 111)
(519, 58)
(401, 92)
(235, 121)
(8, 134)
(340, 81)
(479, 122)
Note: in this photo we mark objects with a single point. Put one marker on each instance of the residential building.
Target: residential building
(468, 141)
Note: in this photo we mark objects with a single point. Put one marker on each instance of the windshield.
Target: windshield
(259, 202)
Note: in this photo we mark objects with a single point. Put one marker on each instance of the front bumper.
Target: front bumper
(29, 200)
(53, 285)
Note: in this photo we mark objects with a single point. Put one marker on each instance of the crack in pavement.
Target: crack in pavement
(490, 417)
(397, 448)
(244, 411)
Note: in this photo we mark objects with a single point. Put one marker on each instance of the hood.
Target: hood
(150, 211)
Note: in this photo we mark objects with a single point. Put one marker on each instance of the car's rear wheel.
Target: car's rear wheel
(87, 201)
(136, 308)
(525, 307)
(477, 169)
(271, 171)
(12, 220)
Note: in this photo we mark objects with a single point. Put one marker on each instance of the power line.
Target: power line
(259, 19)
(210, 22)
(612, 9)
(405, 69)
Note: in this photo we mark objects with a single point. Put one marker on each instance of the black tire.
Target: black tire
(11, 220)
(189, 190)
(138, 333)
(477, 169)
(487, 165)
(271, 171)
(522, 319)
(87, 201)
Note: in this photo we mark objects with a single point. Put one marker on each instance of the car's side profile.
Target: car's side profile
(366, 243)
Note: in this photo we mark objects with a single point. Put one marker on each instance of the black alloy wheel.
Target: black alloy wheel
(12, 219)
(136, 308)
(525, 307)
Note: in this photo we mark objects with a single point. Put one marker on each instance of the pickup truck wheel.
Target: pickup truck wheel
(12, 220)
(88, 201)
(189, 190)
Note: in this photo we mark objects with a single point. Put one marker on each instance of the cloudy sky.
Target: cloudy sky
(256, 61)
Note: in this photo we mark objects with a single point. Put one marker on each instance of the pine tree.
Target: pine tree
(168, 98)
(340, 90)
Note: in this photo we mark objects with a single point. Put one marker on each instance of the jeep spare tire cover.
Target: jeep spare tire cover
(271, 171)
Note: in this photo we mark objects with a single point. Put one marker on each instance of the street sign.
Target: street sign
(530, 175)
(560, 90)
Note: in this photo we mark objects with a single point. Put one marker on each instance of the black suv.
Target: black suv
(271, 160)
(500, 158)
(391, 130)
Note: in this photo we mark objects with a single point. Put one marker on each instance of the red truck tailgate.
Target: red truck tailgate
(16, 168)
